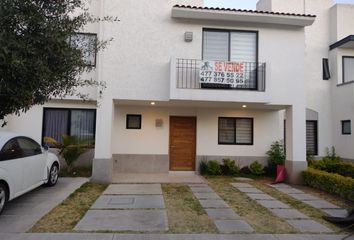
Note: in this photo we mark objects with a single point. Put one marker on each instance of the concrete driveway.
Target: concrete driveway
(22, 213)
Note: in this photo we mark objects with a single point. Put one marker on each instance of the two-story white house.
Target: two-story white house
(187, 83)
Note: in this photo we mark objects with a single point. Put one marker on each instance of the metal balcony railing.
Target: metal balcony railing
(195, 74)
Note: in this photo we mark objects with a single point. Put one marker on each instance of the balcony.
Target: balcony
(193, 79)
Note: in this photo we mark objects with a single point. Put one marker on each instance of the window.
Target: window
(11, 150)
(346, 127)
(133, 121)
(348, 69)
(236, 46)
(325, 69)
(28, 147)
(73, 122)
(311, 137)
(235, 131)
(86, 43)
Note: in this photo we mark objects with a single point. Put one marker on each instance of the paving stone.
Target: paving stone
(289, 214)
(303, 196)
(290, 190)
(198, 185)
(201, 195)
(260, 196)
(133, 189)
(249, 190)
(280, 185)
(232, 226)
(336, 212)
(202, 190)
(309, 226)
(273, 204)
(243, 179)
(129, 202)
(124, 220)
(242, 185)
(222, 214)
(321, 204)
(213, 203)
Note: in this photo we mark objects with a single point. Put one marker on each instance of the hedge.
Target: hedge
(330, 182)
(342, 168)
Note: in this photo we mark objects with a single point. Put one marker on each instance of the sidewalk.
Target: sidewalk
(93, 236)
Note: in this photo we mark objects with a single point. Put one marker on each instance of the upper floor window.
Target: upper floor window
(86, 42)
(348, 69)
(238, 46)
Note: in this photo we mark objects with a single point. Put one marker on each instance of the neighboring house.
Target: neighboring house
(191, 83)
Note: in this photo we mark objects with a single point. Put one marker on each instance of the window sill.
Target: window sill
(345, 83)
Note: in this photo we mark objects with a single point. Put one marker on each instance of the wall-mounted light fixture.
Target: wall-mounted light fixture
(188, 36)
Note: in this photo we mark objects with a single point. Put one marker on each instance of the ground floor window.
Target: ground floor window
(346, 127)
(235, 131)
(73, 122)
(311, 137)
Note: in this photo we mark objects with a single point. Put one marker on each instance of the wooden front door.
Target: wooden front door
(182, 143)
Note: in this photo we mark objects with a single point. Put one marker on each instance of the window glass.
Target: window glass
(244, 131)
(73, 122)
(215, 45)
(133, 121)
(325, 69)
(311, 137)
(236, 131)
(227, 130)
(346, 127)
(243, 47)
(10, 151)
(348, 69)
(28, 147)
(87, 44)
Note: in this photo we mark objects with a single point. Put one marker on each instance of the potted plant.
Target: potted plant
(276, 157)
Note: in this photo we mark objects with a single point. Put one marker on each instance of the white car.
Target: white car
(24, 165)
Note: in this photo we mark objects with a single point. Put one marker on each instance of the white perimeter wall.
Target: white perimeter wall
(155, 140)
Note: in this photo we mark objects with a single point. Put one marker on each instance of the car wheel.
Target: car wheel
(3, 197)
(53, 175)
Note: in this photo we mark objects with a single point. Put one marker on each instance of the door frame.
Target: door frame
(195, 142)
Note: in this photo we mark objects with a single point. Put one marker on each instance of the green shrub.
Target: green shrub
(276, 154)
(203, 167)
(331, 155)
(330, 182)
(256, 168)
(342, 168)
(213, 168)
(229, 168)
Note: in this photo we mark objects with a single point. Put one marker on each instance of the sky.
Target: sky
(245, 4)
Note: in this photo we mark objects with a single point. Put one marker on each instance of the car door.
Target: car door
(11, 163)
(34, 162)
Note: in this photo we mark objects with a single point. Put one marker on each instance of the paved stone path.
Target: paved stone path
(127, 207)
(111, 236)
(325, 206)
(22, 213)
(225, 218)
(296, 219)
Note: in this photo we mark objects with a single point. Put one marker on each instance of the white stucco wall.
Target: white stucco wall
(155, 140)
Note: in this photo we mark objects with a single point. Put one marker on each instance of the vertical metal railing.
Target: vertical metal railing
(188, 76)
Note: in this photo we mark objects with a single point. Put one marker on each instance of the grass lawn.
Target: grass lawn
(185, 214)
(66, 215)
(312, 212)
(262, 220)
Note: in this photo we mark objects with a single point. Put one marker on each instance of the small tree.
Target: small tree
(70, 149)
(276, 154)
(38, 59)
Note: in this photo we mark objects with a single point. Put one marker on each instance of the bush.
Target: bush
(330, 182)
(276, 154)
(210, 168)
(203, 167)
(229, 168)
(245, 170)
(333, 166)
(256, 168)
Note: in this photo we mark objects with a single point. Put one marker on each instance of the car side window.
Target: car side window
(29, 147)
(11, 150)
